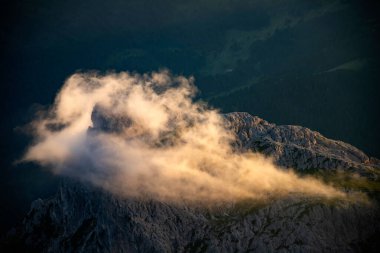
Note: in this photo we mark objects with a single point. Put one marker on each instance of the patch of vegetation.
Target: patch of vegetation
(348, 181)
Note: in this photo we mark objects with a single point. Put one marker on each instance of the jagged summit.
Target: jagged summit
(83, 218)
(296, 146)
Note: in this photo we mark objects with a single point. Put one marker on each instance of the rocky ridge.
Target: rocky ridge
(83, 218)
(298, 147)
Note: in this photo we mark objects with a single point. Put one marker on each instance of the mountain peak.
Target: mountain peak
(85, 218)
(297, 147)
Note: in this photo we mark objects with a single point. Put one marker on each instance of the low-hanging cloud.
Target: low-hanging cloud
(143, 136)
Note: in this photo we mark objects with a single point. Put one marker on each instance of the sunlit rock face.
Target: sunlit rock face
(297, 147)
(84, 218)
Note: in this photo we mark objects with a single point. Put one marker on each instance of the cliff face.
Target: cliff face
(83, 218)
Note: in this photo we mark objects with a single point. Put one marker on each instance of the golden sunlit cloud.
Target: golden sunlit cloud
(142, 135)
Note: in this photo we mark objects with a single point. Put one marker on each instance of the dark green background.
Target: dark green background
(310, 63)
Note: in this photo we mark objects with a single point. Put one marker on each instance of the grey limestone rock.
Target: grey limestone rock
(83, 218)
(297, 147)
